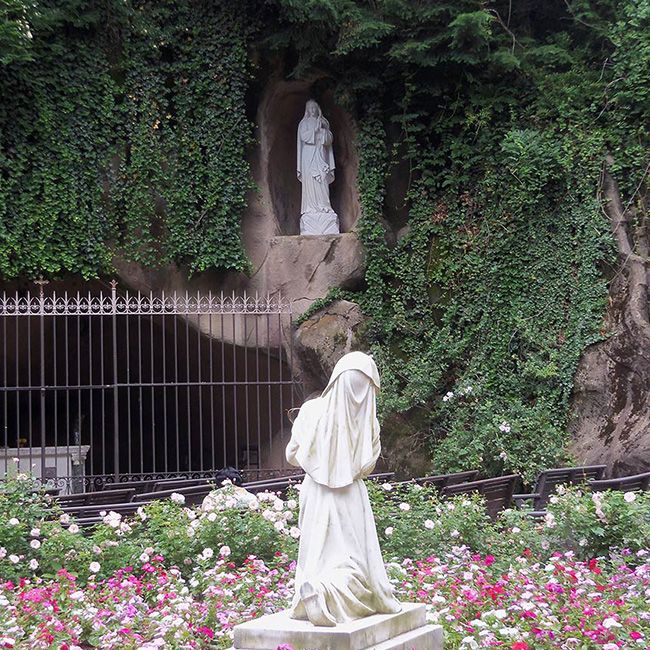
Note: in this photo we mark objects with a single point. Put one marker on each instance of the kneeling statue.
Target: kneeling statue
(340, 575)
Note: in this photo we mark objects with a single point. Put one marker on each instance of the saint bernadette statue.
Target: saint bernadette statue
(315, 170)
(340, 575)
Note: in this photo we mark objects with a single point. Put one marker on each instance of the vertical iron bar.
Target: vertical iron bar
(116, 413)
(5, 385)
(42, 389)
(223, 387)
(29, 383)
(212, 449)
(66, 356)
(17, 382)
(257, 391)
(140, 379)
(176, 418)
(248, 442)
(268, 379)
(55, 378)
(153, 413)
(200, 377)
(234, 382)
(91, 382)
(78, 432)
(187, 380)
(280, 350)
(164, 369)
(103, 387)
(127, 345)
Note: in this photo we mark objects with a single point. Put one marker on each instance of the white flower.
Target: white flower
(13, 521)
(468, 390)
(429, 524)
(3, 552)
(94, 567)
(224, 551)
(207, 553)
(294, 532)
(448, 396)
(191, 531)
(611, 622)
(454, 533)
(279, 525)
(389, 531)
(35, 532)
(387, 487)
(33, 564)
(73, 528)
(291, 504)
(212, 516)
(177, 498)
(516, 529)
(14, 559)
(144, 557)
(404, 506)
(629, 497)
(112, 519)
(35, 544)
(582, 542)
(504, 427)
(65, 517)
(141, 513)
(503, 455)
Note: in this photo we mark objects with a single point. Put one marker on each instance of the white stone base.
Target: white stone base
(406, 630)
(319, 223)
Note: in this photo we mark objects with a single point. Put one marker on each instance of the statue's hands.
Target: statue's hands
(299, 175)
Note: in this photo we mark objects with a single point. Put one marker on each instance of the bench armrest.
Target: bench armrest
(519, 499)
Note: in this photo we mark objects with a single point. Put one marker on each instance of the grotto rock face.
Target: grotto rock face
(610, 417)
(323, 339)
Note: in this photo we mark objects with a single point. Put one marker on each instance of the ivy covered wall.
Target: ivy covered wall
(483, 130)
(123, 131)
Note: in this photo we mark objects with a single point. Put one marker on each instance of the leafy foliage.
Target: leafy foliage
(124, 131)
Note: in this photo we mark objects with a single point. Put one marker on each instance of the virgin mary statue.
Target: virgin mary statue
(315, 169)
(340, 575)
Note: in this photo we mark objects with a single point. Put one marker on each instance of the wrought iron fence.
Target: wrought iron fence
(104, 387)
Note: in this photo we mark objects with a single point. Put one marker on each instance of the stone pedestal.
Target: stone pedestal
(406, 630)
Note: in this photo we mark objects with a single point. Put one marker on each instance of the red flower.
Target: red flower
(520, 645)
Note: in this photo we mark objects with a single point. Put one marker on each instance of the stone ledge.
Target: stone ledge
(378, 631)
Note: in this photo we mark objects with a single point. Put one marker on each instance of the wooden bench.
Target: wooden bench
(95, 498)
(549, 479)
(497, 491)
(622, 483)
(441, 481)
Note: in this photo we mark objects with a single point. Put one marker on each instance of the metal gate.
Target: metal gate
(106, 387)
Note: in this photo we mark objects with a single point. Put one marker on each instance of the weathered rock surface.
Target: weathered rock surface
(323, 339)
(610, 420)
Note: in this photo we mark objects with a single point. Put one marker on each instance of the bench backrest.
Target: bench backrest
(90, 498)
(622, 483)
(549, 479)
(440, 481)
(497, 491)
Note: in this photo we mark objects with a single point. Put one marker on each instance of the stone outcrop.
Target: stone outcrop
(610, 417)
(323, 339)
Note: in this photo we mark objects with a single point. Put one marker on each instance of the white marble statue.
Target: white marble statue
(340, 575)
(315, 168)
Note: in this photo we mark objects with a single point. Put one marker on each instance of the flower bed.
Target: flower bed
(563, 603)
(178, 577)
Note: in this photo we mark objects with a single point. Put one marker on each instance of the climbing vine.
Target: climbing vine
(124, 133)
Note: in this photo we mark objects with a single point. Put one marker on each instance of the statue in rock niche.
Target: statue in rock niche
(340, 576)
(315, 168)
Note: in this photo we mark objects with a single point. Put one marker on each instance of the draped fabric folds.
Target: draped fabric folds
(340, 574)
